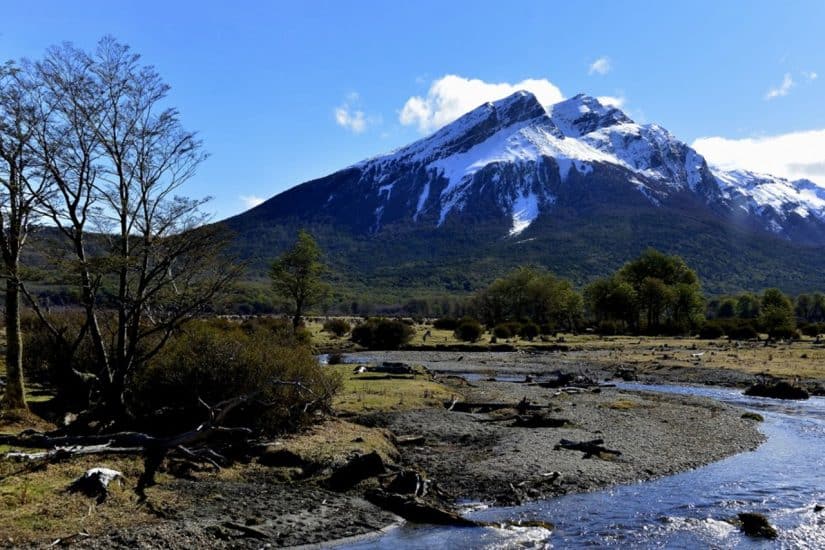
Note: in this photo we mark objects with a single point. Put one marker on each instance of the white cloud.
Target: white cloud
(353, 120)
(348, 116)
(793, 155)
(251, 201)
(451, 96)
(600, 66)
(810, 75)
(783, 89)
(611, 101)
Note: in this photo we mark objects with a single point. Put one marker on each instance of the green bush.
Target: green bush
(469, 330)
(50, 362)
(812, 329)
(377, 333)
(742, 331)
(786, 334)
(277, 327)
(711, 331)
(210, 363)
(547, 329)
(514, 327)
(529, 331)
(338, 327)
(609, 328)
(445, 323)
(502, 330)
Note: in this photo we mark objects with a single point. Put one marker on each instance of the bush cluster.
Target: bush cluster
(445, 323)
(338, 327)
(211, 361)
(469, 330)
(378, 333)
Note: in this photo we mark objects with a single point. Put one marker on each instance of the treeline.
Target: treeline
(654, 294)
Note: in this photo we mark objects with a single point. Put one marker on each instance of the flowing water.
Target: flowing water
(784, 479)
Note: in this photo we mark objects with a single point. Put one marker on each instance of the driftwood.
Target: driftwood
(417, 510)
(539, 421)
(590, 448)
(482, 407)
(154, 449)
(404, 440)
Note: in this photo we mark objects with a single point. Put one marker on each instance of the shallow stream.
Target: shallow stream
(784, 478)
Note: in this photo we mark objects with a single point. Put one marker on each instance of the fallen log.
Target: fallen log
(476, 407)
(594, 447)
(417, 510)
(539, 421)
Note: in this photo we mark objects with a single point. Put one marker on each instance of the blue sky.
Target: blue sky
(283, 92)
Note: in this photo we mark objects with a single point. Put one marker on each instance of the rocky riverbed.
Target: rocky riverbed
(468, 454)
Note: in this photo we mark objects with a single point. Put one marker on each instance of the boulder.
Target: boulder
(777, 390)
(359, 468)
(757, 525)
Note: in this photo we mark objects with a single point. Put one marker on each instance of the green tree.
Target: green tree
(777, 316)
(296, 276)
(612, 299)
(747, 306)
(727, 309)
(804, 306)
(667, 291)
(530, 293)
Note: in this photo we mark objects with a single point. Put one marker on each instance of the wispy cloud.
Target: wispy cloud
(251, 201)
(348, 116)
(793, 155)
(810, 75)
(451, 96)
(601, 66)
(783, 89)
(611, 101)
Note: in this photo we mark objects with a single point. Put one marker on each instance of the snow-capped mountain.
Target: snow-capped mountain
(517, 155)
(574, 178)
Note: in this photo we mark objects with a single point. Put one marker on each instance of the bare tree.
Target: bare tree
(20, 186)
(116, 157)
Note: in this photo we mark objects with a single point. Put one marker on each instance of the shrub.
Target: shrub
(445, 323)
(711, 331)
(49, 362)
(338, 327)
(742, 331)
(529, 331)
(278, 327)
(547, 329)
(382, 334)
(469, 330)
(609, 328)
(514, 327)
(502, 330)
(812, 329)
(208, 363)
(786, 334)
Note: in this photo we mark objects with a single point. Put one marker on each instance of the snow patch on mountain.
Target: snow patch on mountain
(525, 211)
(758, 192)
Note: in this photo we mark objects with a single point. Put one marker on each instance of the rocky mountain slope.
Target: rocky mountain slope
(577, 186)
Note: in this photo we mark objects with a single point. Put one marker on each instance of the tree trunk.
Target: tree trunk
(15, 396)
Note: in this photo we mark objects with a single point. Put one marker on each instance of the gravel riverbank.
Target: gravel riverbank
(476, 456)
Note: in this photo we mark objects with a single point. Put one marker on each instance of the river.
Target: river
(784, 478)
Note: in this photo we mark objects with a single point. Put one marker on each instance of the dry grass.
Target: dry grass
(371, 392)
(623, 405)
(334, 441)
(36, 509)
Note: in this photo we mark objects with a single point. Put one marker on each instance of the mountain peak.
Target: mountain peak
(517, 107)
(582, 114)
